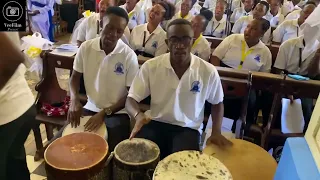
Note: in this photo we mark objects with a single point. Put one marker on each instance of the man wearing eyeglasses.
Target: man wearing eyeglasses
(179, 84)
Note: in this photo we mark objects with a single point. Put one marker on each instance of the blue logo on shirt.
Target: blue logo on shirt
(196, 53)
(257, 58)
(118, 69)
(195, 87)
(221, 32)
(155, 44)
(133, 17)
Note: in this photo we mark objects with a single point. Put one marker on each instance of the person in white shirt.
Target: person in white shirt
(185, 10)
(195, 10)
(108, 66)
(244, 52)
(236, 4)
(147, 11)
(17, 113)
(135, 13)
(201, 46)
(218, 26)
(294, 58)
(210, 4)
(179, 84)
(274, 16)
(148, 39)
(91, 27)
(290, 6)
(259, 11)
(244, 10)
(41, 13)
(291, 28)
(295, 14)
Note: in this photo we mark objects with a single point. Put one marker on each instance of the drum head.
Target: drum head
(191, 165)
(76, 151)
(136, 151)
(102, 131)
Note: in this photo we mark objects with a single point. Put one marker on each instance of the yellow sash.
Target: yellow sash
(244, 54)
(183, 17)
(196, 42)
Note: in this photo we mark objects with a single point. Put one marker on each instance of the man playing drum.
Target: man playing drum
(108, 66)
(179, 84)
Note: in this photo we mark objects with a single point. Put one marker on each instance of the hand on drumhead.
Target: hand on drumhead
(219, 140)
(141, 120)
(74, 113)
(95, 122)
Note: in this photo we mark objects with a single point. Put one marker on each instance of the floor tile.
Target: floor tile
(41, 170)
(37, 177)
(32, 165)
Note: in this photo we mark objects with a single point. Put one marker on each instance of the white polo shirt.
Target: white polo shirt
(106, 77)
(230, 53)
(289, 55)
(293, 15)
(88, 29)
(288, 7)
(154, 43)
(15, 97)
(238, 13)
(178, 102)
(287, 30)
(217, 28)
(136, 16)
(201, 48)
(274, 20)
(210, 4)
(241, 25)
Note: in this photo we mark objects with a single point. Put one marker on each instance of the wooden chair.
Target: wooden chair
(50, 92)
(214, 41)
(274, 49)
(239, 88)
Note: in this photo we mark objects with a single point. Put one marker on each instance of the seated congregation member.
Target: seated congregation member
(210, 4)
(185, 10)
(195, 10)
(218, 24)
(259, 11)
(108, 66)
(274, 16)
(294, 58)
(201, 46)
(147, 11)
(236, 4)
(135, 13)
(296, 13)
(290, 6)
(291, 28)
(148, 39)
(179, 84)
(245, 51)
(244, 10)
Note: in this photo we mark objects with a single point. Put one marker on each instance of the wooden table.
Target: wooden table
(245, 161)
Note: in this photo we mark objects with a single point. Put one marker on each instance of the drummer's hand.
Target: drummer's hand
(141, 120)
(95, 122)
(219, 140)
(74, 113)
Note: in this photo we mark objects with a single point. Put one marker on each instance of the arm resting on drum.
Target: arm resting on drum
(10, 58)
(217, 116)
(75, 85)
(132, 107)
(215, 60)
(314, 66)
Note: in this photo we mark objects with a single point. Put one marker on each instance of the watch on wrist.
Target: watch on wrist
(108, 111)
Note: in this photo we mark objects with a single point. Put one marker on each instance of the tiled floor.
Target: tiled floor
(37, 170)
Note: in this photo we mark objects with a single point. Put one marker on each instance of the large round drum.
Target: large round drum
(78, 156)
(135, 159)
(102, 131)
(245, 160)
(191, 165)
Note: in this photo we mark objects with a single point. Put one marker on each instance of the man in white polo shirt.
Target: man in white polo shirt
(291, 28)
(179, 84)
(17, 113)
(108, 67)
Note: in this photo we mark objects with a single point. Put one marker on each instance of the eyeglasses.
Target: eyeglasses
(183, 40)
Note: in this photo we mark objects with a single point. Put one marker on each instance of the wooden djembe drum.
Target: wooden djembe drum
(191, 165)
(135, 159)
(78, 156)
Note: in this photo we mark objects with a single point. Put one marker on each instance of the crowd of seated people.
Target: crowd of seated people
(246, 27)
